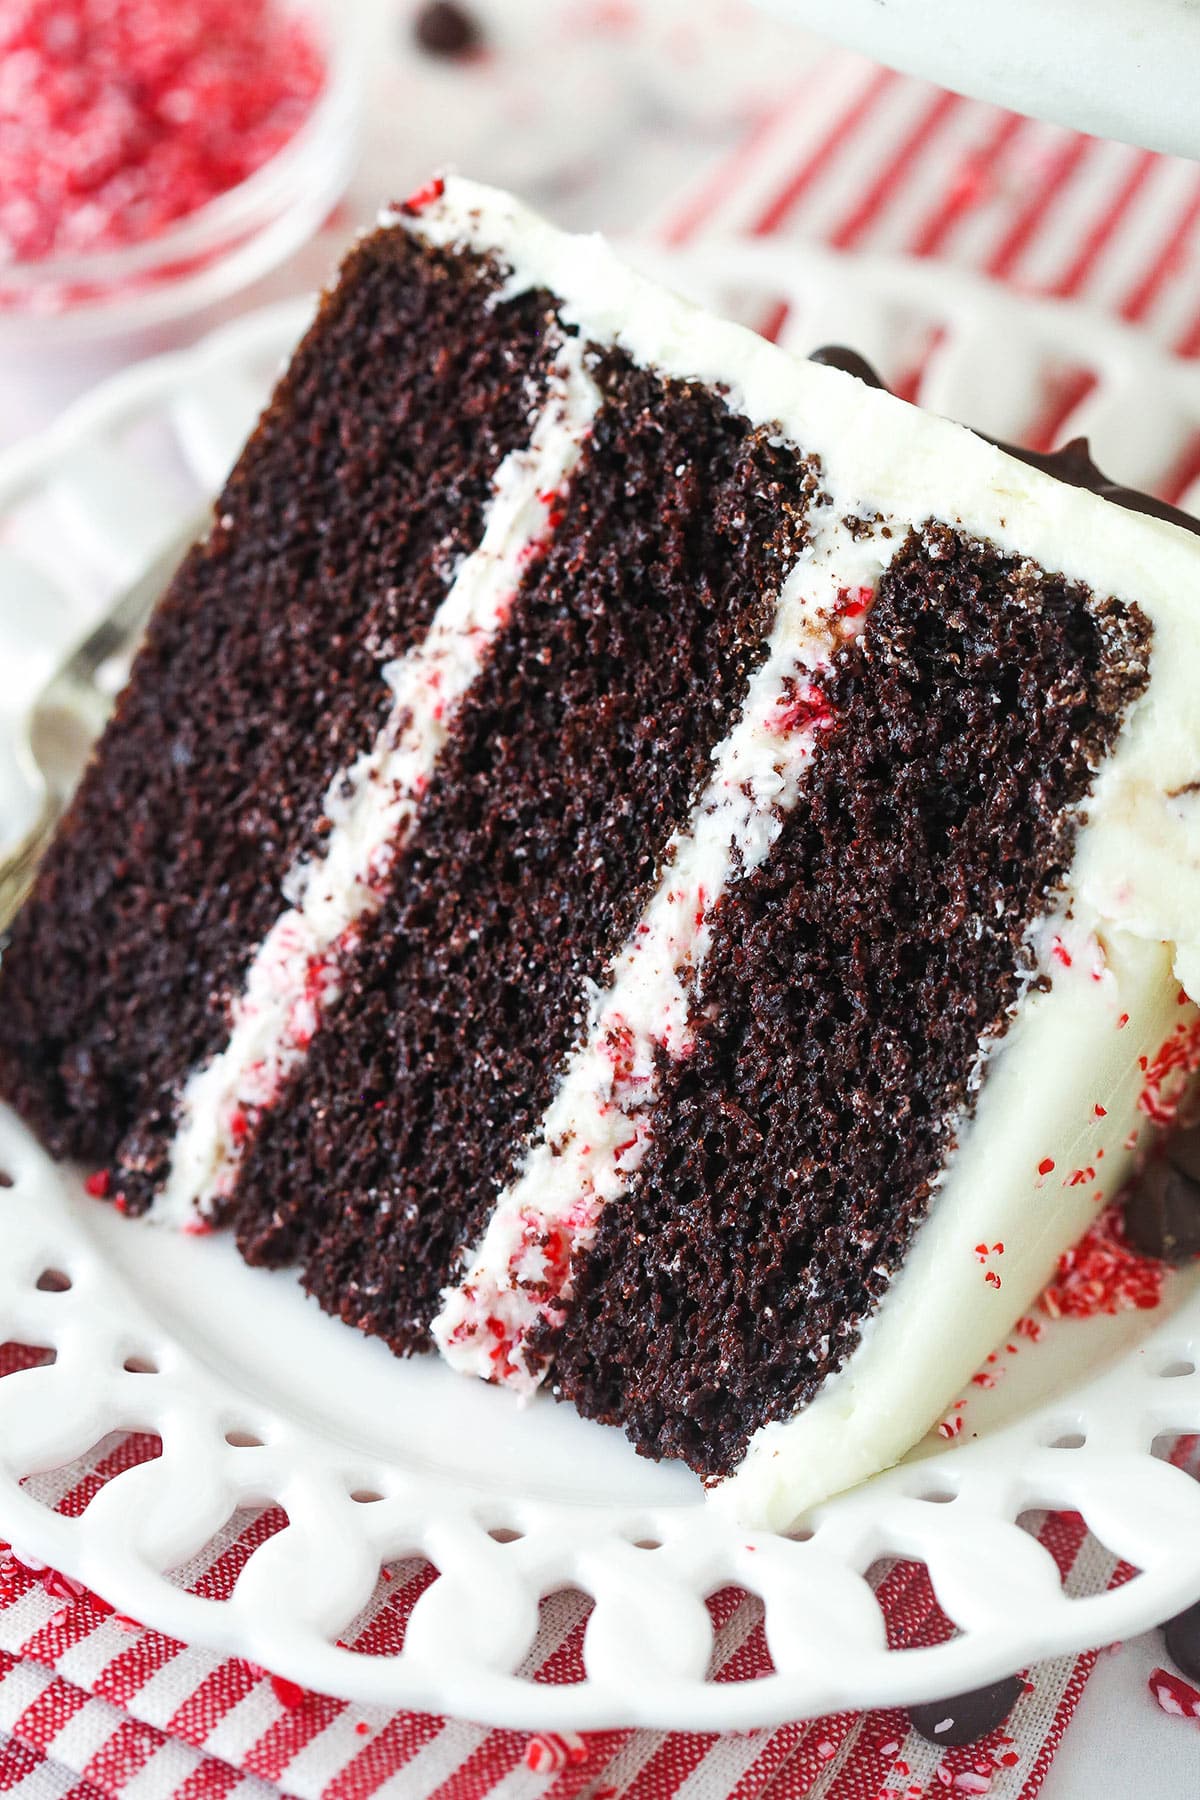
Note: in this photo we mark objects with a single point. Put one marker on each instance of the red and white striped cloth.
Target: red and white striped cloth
(865, 159)
(94, 1706)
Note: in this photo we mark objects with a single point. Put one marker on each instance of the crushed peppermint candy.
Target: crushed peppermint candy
(1102, 1274)
(1174, 1694)
(1166, 1074)
(548, 1752)
(119, 117)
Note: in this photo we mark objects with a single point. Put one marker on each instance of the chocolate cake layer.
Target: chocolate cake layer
(362, 487)
(577, 752)
(849, 985)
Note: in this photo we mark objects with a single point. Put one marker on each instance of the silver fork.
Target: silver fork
(68, 715)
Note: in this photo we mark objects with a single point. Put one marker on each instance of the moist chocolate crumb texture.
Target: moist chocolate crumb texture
(644, 866)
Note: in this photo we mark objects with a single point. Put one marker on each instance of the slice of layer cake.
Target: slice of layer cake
(650, 867)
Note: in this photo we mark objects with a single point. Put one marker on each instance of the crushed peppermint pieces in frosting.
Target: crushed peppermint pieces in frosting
(1102, 1274)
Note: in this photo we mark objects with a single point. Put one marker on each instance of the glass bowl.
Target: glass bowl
(223, 246)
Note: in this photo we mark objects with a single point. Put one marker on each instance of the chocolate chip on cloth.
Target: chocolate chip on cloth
(1162, 1207)
(966, 1717)
(1182, 1634)
(444, 29)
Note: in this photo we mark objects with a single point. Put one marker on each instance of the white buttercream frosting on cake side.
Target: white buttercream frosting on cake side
(294, 975)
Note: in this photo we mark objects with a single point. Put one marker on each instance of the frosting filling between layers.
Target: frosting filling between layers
(593, 1136)
(578, 753)
(294, 976)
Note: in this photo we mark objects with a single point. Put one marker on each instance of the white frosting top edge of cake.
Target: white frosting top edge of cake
(1138, 863)
(294, 974)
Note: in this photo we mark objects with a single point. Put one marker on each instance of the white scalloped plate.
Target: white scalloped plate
(257, 1397)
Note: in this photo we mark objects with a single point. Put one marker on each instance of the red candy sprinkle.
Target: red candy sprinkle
(1046, 1166)
(98, 1185)
(424, 196)
(1174, 1694)
(119, 117)
(853, 602)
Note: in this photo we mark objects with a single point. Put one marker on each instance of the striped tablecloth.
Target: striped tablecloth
(93, 1705)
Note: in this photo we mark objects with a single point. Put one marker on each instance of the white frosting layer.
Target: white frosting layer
(371, 805)
(1133, 894)
(595, 1132)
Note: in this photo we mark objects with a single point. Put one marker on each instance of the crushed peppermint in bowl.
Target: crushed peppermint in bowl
(156, 155)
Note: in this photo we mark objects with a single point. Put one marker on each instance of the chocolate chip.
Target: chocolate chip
(444, 29)
(1162, 1212)
(6, 1179)
(1183, 1641)
(967, 1717)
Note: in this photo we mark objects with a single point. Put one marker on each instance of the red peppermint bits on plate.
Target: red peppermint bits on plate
(1175, 1695)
